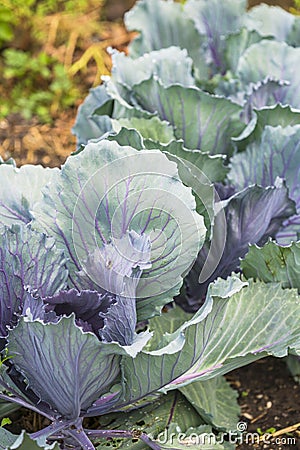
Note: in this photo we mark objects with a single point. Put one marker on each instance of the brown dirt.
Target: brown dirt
(269, 398)
(29, 142)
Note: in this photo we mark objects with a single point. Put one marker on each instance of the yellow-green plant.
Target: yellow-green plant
(38, 68)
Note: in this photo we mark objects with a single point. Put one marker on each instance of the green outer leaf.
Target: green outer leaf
(7, 408)
(220, 337)
(215, 401)
(212, 166)
(21, 190)
(126, 137)
(152, 419)
(167, 324)
(274, 263)
(273, 116)
(152, 128)
(9, 441)
(237, 44)
(204, 122)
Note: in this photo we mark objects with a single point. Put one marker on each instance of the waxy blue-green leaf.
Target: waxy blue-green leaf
(272, 21)
(212, 166)
(9, 441)
(215, 401)
(20, 191)
(210, 347)
(28, 261)
(276, 154)
(168, 25)
(89, 125)
(279, 63)
(198, 170)
(203, 121)
(152, 138)
(274, 263)
(236, 44)
(152, 128)
(128, 72)
(273, 116)
(126, 137)
(170, 66)
(113, 98)
(107, 190)
(195, 168)
(215, 20)
(69, 377)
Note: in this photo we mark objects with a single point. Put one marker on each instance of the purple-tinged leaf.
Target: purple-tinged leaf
(169, 26)
(264, 93)
(28, 260)
(276, 153)
(20, 191)
(280, 61)
(69, 377)
(215, 20)
(251, 216)
(112, 318)
(203, 121)
(107, 191)
(88, 307)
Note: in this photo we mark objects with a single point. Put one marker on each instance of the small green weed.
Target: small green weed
(37, 79)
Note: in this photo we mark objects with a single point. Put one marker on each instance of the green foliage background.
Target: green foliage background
(36, 80)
